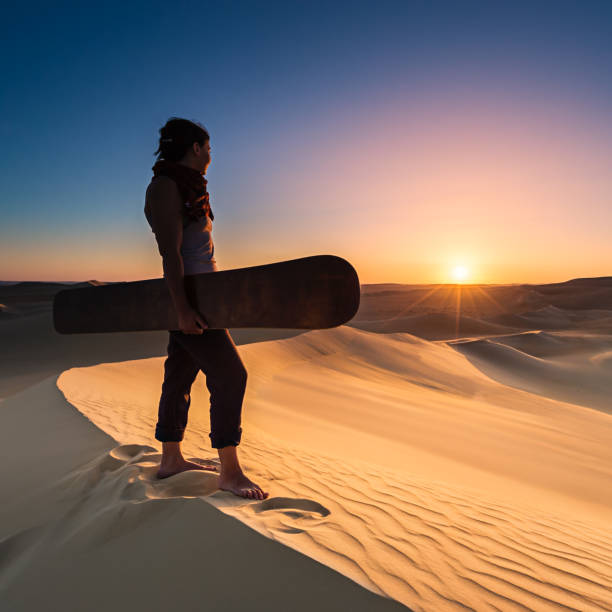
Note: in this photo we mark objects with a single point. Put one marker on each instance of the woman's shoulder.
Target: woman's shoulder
(161, 183)
(163, 188)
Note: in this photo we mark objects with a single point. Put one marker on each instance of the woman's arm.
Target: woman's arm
(167, 224)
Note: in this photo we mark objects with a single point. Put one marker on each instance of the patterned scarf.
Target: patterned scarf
(192, 187)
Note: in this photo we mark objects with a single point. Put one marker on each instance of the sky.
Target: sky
(411, 138)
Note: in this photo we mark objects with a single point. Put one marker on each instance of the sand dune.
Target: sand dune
(84, 527)
(578, 293)
(440, 312)
(397, 463)
(434, 326)
(468, 472)
(573, 368)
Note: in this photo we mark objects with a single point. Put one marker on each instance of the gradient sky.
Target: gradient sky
(408, 137)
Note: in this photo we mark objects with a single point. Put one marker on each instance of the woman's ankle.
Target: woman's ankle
(171, 453)
(228, 457)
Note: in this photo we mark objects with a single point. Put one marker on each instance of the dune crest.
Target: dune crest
(568, 367)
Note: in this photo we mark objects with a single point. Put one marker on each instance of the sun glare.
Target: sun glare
(460, 274)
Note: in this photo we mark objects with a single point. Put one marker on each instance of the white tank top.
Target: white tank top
(197, 248)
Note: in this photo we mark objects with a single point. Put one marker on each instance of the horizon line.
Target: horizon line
(456, 284)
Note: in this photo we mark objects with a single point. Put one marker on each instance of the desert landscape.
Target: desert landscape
(425, 425)
(447, 449)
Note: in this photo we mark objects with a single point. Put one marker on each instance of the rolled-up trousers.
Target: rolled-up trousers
(215, 354)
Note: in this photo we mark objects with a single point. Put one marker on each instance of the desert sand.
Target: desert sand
(448, 449)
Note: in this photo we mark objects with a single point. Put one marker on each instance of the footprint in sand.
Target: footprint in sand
(192, 483)
(130, 452)
(119, 456)
(145, 484)
(302, 512)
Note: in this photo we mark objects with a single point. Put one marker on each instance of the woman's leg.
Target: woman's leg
(214, 352)
(179, 373)
(216, 355)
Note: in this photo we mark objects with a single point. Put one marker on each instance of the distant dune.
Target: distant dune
(568, 368)
(433, 326)
(433, 311)
(28, 292)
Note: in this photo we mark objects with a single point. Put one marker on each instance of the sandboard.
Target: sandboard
(314, 292)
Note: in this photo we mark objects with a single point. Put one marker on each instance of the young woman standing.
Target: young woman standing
(178, 210)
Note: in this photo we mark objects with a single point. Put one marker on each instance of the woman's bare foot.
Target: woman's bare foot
(240, 485)
(175, 467)
(173, 462)
(232, 477)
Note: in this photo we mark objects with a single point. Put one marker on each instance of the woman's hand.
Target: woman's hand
(189, 318)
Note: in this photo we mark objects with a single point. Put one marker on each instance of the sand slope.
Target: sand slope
(86, 527)
(569, 367)
(394, 461)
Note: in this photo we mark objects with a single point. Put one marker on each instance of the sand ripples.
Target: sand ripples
(429, 543)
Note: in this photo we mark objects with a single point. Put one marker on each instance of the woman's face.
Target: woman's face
(202, 153)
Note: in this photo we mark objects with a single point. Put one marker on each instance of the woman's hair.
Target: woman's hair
(177, 136)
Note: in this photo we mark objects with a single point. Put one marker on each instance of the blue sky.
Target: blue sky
(309, 106)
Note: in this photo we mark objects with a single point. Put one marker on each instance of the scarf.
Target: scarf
(192, 187)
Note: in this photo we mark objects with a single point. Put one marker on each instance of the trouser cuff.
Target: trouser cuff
(169, 435)
(221, 442)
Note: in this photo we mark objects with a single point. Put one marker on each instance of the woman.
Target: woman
(178, 210)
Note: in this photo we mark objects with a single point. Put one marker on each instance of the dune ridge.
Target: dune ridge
(567, 367)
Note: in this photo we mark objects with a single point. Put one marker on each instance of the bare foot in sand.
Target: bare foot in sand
(175, 467)
(240, 485)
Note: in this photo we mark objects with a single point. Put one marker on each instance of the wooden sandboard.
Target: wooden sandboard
(315, 292)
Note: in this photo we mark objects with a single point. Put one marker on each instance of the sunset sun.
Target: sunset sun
(460, 274)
